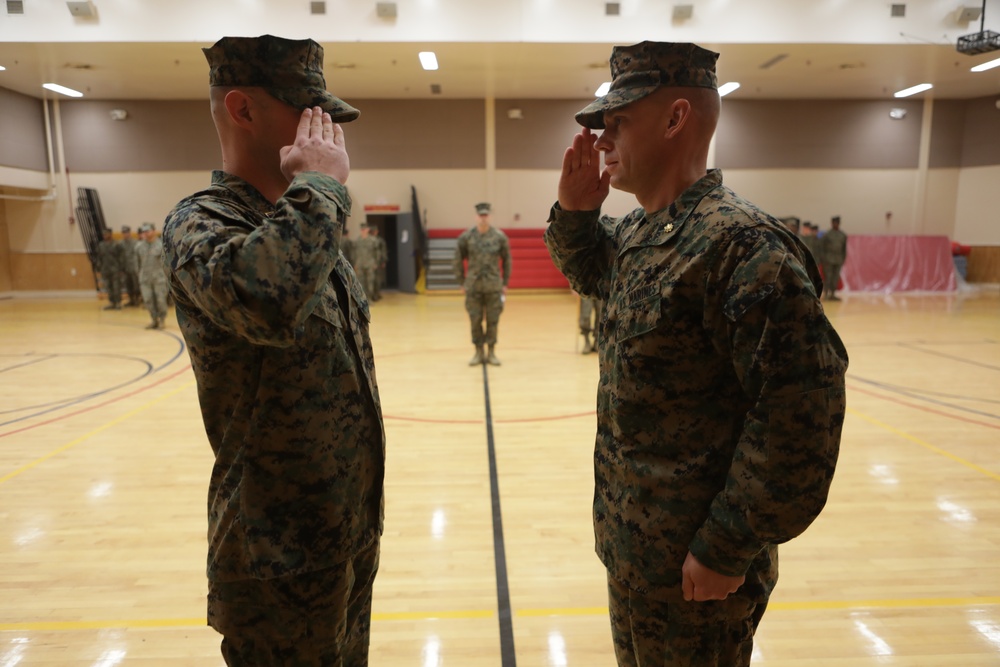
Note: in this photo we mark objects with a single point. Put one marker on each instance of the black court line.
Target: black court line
(507, 656)
(949, 356)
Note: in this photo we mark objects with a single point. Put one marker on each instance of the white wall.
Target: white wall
(978, 211)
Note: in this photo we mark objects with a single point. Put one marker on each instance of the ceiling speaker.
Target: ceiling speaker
(385, 10)
(968, 14)
(82, 10)
(683, 12)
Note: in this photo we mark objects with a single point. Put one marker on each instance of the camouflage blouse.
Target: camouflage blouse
(721, 396)
(277, 330)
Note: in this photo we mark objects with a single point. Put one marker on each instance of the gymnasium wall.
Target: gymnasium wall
(812, 159)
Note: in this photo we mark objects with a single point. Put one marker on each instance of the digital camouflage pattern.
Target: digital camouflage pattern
(289, 69)
(638, 70)
(833, 253)
(721, 397)
(152, 278)
(366, 257)
(713, 633)
(131, 271)
(277, 330)
(483, 280)
(111, 264)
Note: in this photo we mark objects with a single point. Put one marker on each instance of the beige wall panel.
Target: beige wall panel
(11, 177)
(531, 193)
(43, 226)
(51, 271)
(447, 195)
(940, 202)
(861, 197)
(977, 215)
(5, 277)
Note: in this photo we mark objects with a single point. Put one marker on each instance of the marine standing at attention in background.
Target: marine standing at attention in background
(111, 264)
(485, 247)
(277, 329)
(131, 271)
(152, 278)
(721, 396)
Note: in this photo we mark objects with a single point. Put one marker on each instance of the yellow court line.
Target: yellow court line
(925, 444)
(99, 429)
(817, 605)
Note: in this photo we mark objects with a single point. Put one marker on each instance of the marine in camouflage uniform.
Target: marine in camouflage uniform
(277, 328)
(381, 258)
(721, 397)
(366, 261)
(484, 247)
(590, 322)
(152, 278)
(833, 254)
(111, 264)
(131, 272)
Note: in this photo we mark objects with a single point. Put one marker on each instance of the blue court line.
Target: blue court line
(27, 363)
(918, 396)
(913, 346)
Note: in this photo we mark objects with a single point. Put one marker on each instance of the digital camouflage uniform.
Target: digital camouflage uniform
(720, 407)
(152, 279)
(366, 262)
(277, 329)
(380, 264)
(833, 254)
(130, 275)
(591, 311)
(483, 280)
(111, 262)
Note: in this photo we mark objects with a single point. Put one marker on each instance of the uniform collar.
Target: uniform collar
(245, 192)
(652, 229)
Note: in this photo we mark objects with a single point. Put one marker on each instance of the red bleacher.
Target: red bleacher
(532, 266)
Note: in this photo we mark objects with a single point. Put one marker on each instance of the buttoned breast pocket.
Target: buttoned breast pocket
(638, 317)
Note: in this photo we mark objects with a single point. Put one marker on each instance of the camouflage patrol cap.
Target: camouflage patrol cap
(126, 229)
(638, 70)
(289, 69)
(483, 208)
(146, 227)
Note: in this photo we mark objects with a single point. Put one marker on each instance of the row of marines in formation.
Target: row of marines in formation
(135, 264)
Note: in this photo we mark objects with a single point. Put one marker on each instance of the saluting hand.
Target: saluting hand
(583, 186)
(319, 146)
(700, 583)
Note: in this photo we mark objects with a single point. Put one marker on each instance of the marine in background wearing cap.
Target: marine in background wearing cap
(152, 279)
(277, 328)
(721, 396)
(484, 247)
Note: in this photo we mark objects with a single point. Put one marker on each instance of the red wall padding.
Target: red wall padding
(532, 266)
(898, 264)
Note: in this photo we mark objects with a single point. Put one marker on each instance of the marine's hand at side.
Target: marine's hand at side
(319, 146)
(583, 186)
(700, 583)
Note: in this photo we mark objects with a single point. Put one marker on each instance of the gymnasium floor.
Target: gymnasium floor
(104, 467)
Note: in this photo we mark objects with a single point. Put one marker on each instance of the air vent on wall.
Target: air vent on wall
(897, 11)
(385, 10)
(683, 12)
(317, 8)
(15, 6)
(435, 89)
(612, 8)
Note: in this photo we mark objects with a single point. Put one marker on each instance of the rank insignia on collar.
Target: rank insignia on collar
(669, 228)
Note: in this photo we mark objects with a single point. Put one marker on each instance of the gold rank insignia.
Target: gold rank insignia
(669, 228)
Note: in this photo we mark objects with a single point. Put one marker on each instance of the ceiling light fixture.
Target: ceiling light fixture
(990, 64)
(2, 68)
(603, 89)
(727, 88)
(913, 90)
(428, 60)
(56, 88)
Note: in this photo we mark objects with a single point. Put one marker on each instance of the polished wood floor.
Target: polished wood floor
(104, 466)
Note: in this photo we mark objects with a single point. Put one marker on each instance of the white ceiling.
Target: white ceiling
(360, 70)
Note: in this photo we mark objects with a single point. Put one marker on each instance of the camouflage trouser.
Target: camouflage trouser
(489, 304)
(154, 297)
(831, 277)
(590, 314)
(366, 275)
(317, 619)
(113, 286)
(132, 286)
(648, 632)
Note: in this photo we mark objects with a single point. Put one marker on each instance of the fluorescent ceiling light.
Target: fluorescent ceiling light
(55, 87)
(919, 88)
(428, 60)
(2, 68)
(727, 88)
(603, 89)
(978, 68)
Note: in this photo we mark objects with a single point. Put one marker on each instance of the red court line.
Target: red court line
(923, 408)
(99, 405)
